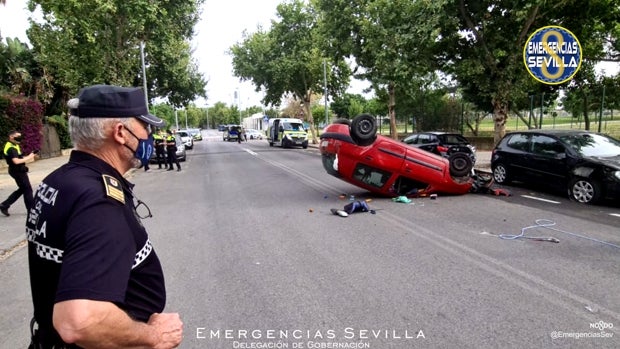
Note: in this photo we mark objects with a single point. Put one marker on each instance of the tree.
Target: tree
(21, 74)
(89, 42)
(389, 40)
(287, 59)
(480, 43)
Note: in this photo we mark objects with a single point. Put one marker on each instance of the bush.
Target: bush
(25, 115)
(62, 128)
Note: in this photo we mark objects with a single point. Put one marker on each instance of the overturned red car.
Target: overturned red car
(353, 152)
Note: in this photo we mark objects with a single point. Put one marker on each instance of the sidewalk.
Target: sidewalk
(12, 228)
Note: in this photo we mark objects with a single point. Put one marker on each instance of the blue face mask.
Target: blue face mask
(144, 150)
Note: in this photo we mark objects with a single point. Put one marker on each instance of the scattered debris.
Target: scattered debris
(483, 183)
(338, 212)
(402, 199)
(591, 309)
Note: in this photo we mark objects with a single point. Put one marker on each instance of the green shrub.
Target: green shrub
(62, 128)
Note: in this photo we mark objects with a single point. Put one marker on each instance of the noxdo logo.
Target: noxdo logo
(552, 55)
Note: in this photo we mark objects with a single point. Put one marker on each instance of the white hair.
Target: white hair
(91, 133)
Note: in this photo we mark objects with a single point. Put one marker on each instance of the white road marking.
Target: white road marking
(540, 199)
(615, 214)
(251, 152)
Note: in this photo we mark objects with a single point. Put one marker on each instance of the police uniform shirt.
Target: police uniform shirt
(13, 151)
(171, 143)
(86, 242)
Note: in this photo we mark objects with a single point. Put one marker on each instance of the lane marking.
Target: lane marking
(615, 214)
(249, 151)
(540, 199)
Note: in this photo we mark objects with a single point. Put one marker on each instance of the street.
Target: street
(254, 258)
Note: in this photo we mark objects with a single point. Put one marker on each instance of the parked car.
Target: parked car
(196, 134)
(221, 128)
(254, 134)
(353, 152)
(181, 153)
(587, 163)
(187, 138)
(442, 143)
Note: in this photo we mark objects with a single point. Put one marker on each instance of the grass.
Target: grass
(609, 126)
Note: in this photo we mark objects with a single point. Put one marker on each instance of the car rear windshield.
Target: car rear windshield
(593, 145)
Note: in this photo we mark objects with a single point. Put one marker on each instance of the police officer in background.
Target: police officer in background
(160, 149)
(171, 151)
(95, 278)
(18, 170)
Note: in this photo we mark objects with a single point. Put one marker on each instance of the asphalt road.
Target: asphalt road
(253, 256)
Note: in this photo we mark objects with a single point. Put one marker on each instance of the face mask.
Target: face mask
(18, 139)
(144, 150)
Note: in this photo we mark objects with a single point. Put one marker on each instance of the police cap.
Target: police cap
(106, 101)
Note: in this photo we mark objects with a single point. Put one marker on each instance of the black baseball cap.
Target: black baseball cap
(107, 101)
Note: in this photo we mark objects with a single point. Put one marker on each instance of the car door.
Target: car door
(547, 160)
(425, 141)
(516, 154)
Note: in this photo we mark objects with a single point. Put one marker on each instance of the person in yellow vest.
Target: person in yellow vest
(171, 151)
(160, 149)
(19, 171)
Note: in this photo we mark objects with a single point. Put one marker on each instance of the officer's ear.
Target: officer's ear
(119, 133)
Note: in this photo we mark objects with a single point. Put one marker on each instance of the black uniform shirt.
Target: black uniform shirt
(13, 151)
(86, 242)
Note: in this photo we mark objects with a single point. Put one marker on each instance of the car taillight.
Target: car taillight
(442, 149)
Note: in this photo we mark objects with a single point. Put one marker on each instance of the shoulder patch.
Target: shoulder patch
(113, 188)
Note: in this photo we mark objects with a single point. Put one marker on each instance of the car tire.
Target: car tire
(460, 165)
(584, 190)
(364, 129)
(342, 121)
(500, 174)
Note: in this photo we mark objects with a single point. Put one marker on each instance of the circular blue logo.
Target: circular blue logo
(552, 55)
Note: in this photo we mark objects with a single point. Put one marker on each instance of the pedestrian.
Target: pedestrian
(95, 278)
(19, 171)
(171, 151)
(160, 149)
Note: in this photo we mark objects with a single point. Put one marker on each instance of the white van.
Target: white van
(287, 132)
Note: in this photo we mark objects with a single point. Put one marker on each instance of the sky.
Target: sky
(221, 26)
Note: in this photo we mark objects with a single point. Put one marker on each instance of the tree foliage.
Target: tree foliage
(481, 45)
(287, 59)
(98, 41)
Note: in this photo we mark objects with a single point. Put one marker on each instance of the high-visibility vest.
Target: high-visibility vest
(10, 145)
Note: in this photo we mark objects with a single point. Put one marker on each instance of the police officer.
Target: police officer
(171, 151)
(95, 278)
(160, 149)
(19, 171)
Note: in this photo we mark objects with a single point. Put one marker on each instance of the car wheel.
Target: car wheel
(364, 129)
(584, 190)
(460, 164)
(500, 174)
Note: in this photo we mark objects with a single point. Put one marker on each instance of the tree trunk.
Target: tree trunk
(586, 116)
(500, 115)
(310, 118)
(391, 110)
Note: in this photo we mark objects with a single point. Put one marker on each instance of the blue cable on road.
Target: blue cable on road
(548, 224)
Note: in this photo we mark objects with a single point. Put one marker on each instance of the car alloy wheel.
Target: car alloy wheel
(460, 164)
(364, 129)
(500, 174)
(584, 190)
